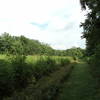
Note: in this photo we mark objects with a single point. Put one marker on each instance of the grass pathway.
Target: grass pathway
(80, 86)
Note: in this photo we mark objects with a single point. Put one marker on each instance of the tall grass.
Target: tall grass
(19, 71)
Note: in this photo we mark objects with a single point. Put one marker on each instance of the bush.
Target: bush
(22, 72)
(64, 61)
(95, 62)
(6, 79)
(14, 75)
(17, 74)
(43, 67)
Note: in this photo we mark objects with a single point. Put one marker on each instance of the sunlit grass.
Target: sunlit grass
(3, 56)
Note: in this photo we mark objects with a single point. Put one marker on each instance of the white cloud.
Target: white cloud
(63, 18)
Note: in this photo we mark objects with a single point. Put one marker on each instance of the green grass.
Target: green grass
(36, 58)
(81, 85)
(3, 57)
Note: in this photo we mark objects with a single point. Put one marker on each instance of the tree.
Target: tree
(91, 32)
(5, 42)
(91, 25)
(23, 46)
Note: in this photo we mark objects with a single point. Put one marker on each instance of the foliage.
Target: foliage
(22, 72)
(91, 32)
(73, 52)
(14, 75)
(91, 25)
(22, 45)
(6, 79)
(17, 73)
(64, 61)
(43, 67)
(45, 88)
(95, 63)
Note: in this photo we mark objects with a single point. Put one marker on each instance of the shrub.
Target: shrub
(43, 67)
(22, 72)
(18, 74)
(6, 81)
(64, 61)
(95, 62)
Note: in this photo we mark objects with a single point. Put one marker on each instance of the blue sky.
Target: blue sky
(55, 22)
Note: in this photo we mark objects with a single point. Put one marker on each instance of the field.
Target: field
(43, 58)
(39, 72)
(46, 78)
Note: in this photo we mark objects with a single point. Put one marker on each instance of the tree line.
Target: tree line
(22, 45)
(25, 46)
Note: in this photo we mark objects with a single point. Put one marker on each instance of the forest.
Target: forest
(31, 70)
(25, 46)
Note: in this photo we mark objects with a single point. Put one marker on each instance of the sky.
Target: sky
(55, 22)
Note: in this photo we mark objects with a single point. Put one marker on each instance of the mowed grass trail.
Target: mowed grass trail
(80, 85)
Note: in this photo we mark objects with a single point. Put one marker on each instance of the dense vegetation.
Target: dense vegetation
(19, 72)
(31, 70)
(91, 32)
(25, 62)
(24, 46)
